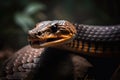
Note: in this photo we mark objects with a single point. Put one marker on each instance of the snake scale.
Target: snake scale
(97, 41)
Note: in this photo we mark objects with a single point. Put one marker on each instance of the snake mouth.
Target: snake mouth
(37, 43)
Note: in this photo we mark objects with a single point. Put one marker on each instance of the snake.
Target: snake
(85, 39)
(91, 40)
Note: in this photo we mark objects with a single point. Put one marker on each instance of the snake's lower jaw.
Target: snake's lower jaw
(50, 42)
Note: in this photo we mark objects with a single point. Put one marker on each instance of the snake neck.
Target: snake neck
(95, 40)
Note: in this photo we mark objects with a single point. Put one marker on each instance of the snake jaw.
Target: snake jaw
(51, 41)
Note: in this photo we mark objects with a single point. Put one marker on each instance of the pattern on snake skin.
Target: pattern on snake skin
(20, 65)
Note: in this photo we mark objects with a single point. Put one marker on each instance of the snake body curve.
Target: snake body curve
(91, 40)
(96, 40)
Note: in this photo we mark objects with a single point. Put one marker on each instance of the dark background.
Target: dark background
(18, 16)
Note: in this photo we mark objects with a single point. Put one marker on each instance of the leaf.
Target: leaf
(33, 8)
(24, 21)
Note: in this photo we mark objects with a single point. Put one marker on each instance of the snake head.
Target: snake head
(51, 33)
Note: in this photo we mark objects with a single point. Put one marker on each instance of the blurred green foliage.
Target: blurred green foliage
(25, 19)
(18, 16)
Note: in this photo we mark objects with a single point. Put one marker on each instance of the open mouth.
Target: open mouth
(36, 43)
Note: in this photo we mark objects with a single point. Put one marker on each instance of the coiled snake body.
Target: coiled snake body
(98, 41)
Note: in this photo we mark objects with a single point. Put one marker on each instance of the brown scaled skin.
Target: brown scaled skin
(100, 41)
(23, 63)
(42, 64)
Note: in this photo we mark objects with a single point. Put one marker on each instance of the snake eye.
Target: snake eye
(39, 33)
(54, 28)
